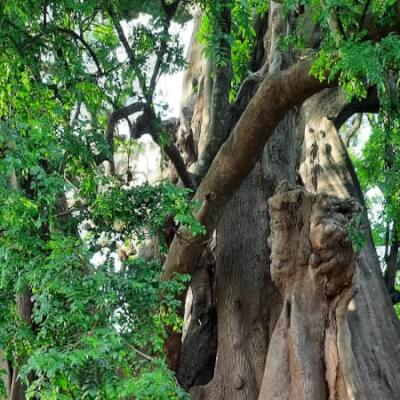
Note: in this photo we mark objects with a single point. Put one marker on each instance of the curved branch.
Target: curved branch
(115, 117)
(79, 38)
(119, 114)
(352, 130)
(148, 123)
(238, 156)
(368, 105)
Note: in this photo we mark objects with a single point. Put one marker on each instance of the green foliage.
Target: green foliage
(346, 53)
(240, 39)
(354, 233)
(213, 32)
(89, 320)
(98, 326)
(379, 167)
(244, 14)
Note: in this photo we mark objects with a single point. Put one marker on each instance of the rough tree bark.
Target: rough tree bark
(248, 303)
(373, 326)
(312, 265)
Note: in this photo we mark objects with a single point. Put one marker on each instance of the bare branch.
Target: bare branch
(149, 123)
(140, 353)
(157, 66)
(119, 114)
(127, 47)
(175, 156)
(170, 10)
(352, 130)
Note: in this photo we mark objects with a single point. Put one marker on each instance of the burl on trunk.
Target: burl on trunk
(312, 264)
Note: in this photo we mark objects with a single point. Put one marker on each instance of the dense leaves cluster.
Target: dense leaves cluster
(77, 321)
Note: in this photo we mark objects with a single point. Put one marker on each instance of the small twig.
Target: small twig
(85, 44)
(141, 354)
(127, 47)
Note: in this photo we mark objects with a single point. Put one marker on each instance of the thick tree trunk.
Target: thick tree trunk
(245, 296)
(373, 326)
(248, 302)
(353, 357)
(313, 265)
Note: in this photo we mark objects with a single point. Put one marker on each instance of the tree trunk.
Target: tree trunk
(313, 265)
(373, 326)
(24, 312)
(245, 296)
(351, 343)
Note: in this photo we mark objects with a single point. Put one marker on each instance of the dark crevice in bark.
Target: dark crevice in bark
(199, 345)
(392, 266)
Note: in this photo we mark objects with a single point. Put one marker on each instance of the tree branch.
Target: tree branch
(334, 23)
(392, 263)
(352, 130)
(79, 38)
(368, 105)
(364, 14)
(113, 120)
(127, 47)
(220, 109)
(119, 114)
(160, 55)
(170, 10)
(149, 123)
(238, 156)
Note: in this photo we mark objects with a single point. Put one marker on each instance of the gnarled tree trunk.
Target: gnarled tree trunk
(351, 339)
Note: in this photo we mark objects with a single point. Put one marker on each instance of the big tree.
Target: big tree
(286, 298)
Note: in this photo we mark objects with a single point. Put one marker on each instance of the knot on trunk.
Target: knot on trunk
(309, 240)
(312, 264)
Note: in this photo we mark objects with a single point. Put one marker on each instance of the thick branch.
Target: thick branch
(113, 120)
(368, 105)
(175, 156)
(238, 156)
(117, 116)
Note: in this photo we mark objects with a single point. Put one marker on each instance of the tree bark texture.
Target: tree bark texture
(312, 265)
(350, 338)
(373, 331)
